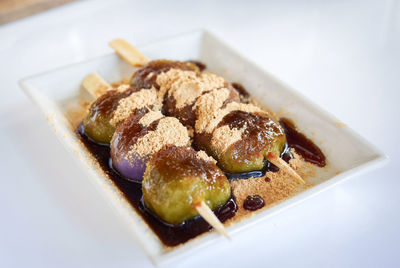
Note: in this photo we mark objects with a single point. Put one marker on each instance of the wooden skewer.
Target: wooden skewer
(210, 217)
(95, 85)
(128, 52)
(280, 163)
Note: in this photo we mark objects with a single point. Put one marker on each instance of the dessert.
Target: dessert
(184, 141)
(142, 135)
(177, 178)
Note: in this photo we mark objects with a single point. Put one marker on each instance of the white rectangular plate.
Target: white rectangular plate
(348, 154)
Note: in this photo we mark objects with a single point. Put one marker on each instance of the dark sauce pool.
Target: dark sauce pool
(303, 146)
(175, 235)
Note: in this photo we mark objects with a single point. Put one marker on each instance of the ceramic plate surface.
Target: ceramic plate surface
(348, 154)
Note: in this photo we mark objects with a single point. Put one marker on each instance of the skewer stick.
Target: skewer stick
(280, 163)
(128, 52)
(95, 85)
(210, 217)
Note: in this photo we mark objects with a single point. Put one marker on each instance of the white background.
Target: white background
(343, 54)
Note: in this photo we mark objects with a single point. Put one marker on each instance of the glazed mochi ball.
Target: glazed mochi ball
(140, 136)
(97, 122)
(239, 136)
(178, 178)
(259, 135)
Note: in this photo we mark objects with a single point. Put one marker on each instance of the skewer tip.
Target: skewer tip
(280, 163)
(210, 217)
(95, 85)
(128, 52)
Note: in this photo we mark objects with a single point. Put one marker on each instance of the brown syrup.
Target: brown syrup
(185, 115)
(169, 235)
(181, 161)
(241, 89)
(303, 146)
(253, 202)
(199, 64)
(129, 131)
(108, 102)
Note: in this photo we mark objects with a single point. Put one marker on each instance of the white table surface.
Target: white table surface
(344, 55)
